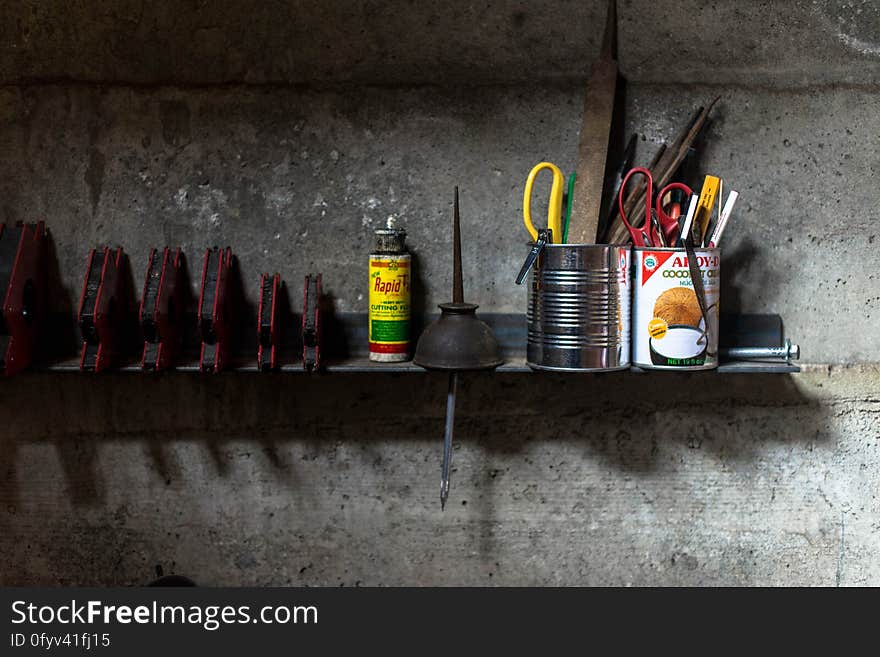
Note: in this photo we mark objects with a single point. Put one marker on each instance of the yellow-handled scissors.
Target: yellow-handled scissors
(554, 208)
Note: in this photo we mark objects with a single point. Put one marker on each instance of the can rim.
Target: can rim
(558, 246)
(677, 249)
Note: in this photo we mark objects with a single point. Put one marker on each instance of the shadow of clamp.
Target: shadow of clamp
(23, 283)
(161, 311)
(214, 310)
(267, 322)
(101, 308)
(311, 323)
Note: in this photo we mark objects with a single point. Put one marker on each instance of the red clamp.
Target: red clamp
(23, 284)
(267, 322)
(101, 308)
(311, 323)
(161, 311)
(214, 310)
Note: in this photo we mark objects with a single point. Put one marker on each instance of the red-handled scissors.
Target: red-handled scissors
(649, 233)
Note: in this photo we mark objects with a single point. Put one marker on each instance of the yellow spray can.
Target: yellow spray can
(390, 282)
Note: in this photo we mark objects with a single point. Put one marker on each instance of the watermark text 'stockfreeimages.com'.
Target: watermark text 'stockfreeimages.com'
(209, 617)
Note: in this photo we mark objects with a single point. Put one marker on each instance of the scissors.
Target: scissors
(554, 207)
(653, 232)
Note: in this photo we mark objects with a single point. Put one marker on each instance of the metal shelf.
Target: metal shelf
(363, 365)
(347, 335)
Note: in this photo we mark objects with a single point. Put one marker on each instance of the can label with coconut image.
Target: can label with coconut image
(669, 330)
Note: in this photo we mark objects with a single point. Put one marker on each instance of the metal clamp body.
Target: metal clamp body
(101, 309)
(267, 322)
(161, 310)
(214, 312)
(23, 285)
(311, 323)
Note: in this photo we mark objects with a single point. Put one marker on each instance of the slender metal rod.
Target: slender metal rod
(447, 439)
(788, 351)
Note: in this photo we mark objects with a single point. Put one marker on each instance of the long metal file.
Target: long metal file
(595, 132)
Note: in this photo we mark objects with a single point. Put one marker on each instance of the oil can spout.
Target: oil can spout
(457, 279)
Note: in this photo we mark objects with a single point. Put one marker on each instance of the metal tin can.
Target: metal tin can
(669, 330)
(579, 308)
(390, 282)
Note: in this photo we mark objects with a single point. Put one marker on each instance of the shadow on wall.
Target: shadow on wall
(737, 266)
(619, 419)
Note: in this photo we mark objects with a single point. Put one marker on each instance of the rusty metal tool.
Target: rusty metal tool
(161, 311)
(586, 203)
(666, 166)
(101, 310)
(269, 335)
(23, 285)
(457, 341)
(613, 210)
(311, 323)
(609, 224)
(214, 311)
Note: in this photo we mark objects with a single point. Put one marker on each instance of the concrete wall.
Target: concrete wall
(248, 479)
(292, 130)
(785, 42)
(297, 181)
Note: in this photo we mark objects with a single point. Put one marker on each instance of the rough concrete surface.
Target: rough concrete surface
(788, 42)
(297, 181)
(247, 479)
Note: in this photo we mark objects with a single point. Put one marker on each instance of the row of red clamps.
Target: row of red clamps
(162, 317)
(268, 327)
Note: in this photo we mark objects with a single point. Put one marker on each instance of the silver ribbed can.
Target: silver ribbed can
(579, 308)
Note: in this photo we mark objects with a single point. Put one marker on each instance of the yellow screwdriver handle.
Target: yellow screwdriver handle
(554, 208)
